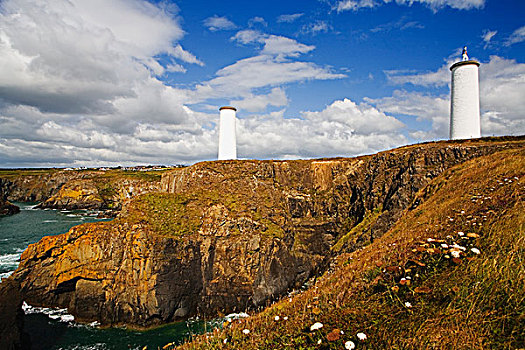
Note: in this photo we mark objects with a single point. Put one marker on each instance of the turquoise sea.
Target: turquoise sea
(54, 328)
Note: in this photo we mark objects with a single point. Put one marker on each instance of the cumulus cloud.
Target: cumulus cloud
(517, 36)
(502, 87)
(74, 57)
(343, 128)
(79, 80)
(82, 88)
(217, 23)
(424, 107)
(289, 18)
(355, 5)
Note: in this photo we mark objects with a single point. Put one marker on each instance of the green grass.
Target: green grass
(357, 231)
(165, 214)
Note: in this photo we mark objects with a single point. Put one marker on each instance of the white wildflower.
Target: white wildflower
(277, 318)
(246, 331)
(455, 253)
(430, 240)
(361, 336)
(225, 340)
(316, 326)
(285, 318)
(461, 233)
(349, 345)
(319, 342)
(443, 245)
(407, 304)
(475, 250)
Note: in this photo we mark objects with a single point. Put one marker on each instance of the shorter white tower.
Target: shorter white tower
(227, 136)
(464, 102)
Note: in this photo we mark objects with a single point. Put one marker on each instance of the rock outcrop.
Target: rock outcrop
(230, 235)
(7, 208)
(59, 189)
(11, 317)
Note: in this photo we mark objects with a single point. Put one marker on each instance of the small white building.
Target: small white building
(227, 134)
(464, 101)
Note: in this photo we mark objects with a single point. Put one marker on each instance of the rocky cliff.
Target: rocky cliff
(86, 189)
(11, 317)
(230, 235)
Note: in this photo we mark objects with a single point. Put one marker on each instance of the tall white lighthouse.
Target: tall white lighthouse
(227, 136)
(464, 102)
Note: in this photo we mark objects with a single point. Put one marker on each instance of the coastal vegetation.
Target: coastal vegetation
(448, 275)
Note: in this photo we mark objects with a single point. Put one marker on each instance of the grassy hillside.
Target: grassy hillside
(449, 275)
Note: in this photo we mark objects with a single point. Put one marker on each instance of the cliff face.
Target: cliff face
(77, 189)
(230, 235)
(11, 317)
(6, 208)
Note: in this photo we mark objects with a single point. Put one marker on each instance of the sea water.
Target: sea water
(55, 328)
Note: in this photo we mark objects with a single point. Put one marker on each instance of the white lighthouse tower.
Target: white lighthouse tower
(227, 136)
(464, 102)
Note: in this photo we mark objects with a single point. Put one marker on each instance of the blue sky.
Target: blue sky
(122, 82)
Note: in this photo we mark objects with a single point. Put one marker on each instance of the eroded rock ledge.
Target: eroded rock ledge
(230, 235)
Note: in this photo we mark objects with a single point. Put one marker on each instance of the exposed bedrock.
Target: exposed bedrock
(230, 235)
(75, 189)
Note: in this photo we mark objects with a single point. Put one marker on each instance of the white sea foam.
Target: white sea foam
(9, 259)
(5, 274)
(50, 220)
(28, 207)
(53, 313)
(234, 316)
(97, 346)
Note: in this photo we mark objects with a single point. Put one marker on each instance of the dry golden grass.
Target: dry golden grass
(473, 302)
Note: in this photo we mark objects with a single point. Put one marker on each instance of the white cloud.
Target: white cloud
(316, 27)
(273, 44)
(78, 84)
(487, 36)
(275, 65)
(178, 52)
(517, 36)
(256, 103)
(424, 107)
(77, 56)
(343, 128)
(242, 77)
(440, 77)
(355, 5)
(217, 23)
(402, 24)
(502, 87)
(257, 20)
(289, 18)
